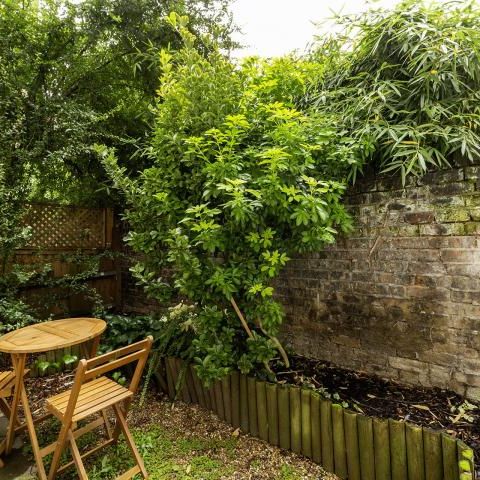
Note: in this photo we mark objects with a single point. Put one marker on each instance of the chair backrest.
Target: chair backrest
(90, 369)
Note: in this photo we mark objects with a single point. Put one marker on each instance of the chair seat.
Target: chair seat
(6, 383)
(94, 396)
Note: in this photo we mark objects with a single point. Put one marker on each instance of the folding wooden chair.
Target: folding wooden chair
(91, 394)
(7, 382)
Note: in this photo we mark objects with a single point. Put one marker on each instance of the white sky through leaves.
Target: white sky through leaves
(276, 27)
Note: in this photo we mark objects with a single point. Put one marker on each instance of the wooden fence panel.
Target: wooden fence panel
(353, 446)
(339, 451)
(306, 427)
(59, 231)
(272, 412)
(262, 416)
(295, 419)
(284, 416)
(315, 428)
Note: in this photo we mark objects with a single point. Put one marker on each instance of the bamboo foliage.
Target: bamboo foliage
(351, 445)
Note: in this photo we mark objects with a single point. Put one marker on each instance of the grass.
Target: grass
(168, 455)
(183, 442)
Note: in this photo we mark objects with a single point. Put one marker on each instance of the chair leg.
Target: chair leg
(6, 410)
(117, 430)
(108, 428)
(62, 440)
(82, 474)
(122, 423)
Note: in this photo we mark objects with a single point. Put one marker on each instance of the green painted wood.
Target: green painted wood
(272, 413)
(174, 370)
(182, 381)
(315, 428)
(306, 426)
(262, 417)
(398, 450)
(339, 452)
(450, 458)
(42, 358)
(244, 422)
(465, 461)
(227, 398)
(351, 445)
(432, 446)
(365, 447)
(191, 385)
(51, 358)
(206, 395)
(217, 388)
(415, 452)
(213, 400)
(381, 448)
(295, 420)
(198, 387)
(170, 379)
(327, 435)
(235, 397)
(252, 407)
(284, 416)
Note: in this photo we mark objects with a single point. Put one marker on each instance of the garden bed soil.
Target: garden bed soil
(371, 395)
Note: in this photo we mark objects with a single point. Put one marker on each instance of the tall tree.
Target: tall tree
(75, 73)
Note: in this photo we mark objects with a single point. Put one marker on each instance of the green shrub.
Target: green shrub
(241, 180)
(172, 331)
(406, 84)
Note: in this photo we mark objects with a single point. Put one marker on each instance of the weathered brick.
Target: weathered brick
(460, 256)
(408, 364)
(472, 228)
(419, 217)
(452, 189)
(442, 229)
(409, 309)
(453, 215)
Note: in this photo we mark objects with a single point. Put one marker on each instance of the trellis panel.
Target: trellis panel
(59, 227)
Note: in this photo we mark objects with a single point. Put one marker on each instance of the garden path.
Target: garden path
(18, 466)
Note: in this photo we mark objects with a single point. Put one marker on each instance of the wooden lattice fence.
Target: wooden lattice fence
(58, 227)
(60, 231)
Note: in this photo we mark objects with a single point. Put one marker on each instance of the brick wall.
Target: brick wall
(400, 297)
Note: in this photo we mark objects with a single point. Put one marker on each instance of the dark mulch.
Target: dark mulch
(371, 395)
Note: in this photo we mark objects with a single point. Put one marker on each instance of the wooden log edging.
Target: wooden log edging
(351, 445)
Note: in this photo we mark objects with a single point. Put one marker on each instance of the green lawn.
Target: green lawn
(186, 442)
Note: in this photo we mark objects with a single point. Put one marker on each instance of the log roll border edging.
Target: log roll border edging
(346, 443)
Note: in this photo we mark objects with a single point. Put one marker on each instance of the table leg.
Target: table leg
(18, 362)
(94, 347)
(20, 395)
(33, 436)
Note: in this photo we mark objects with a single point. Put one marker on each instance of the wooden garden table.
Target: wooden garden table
(43, 337)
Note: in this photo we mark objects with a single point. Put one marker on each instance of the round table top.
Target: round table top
(46, 336)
